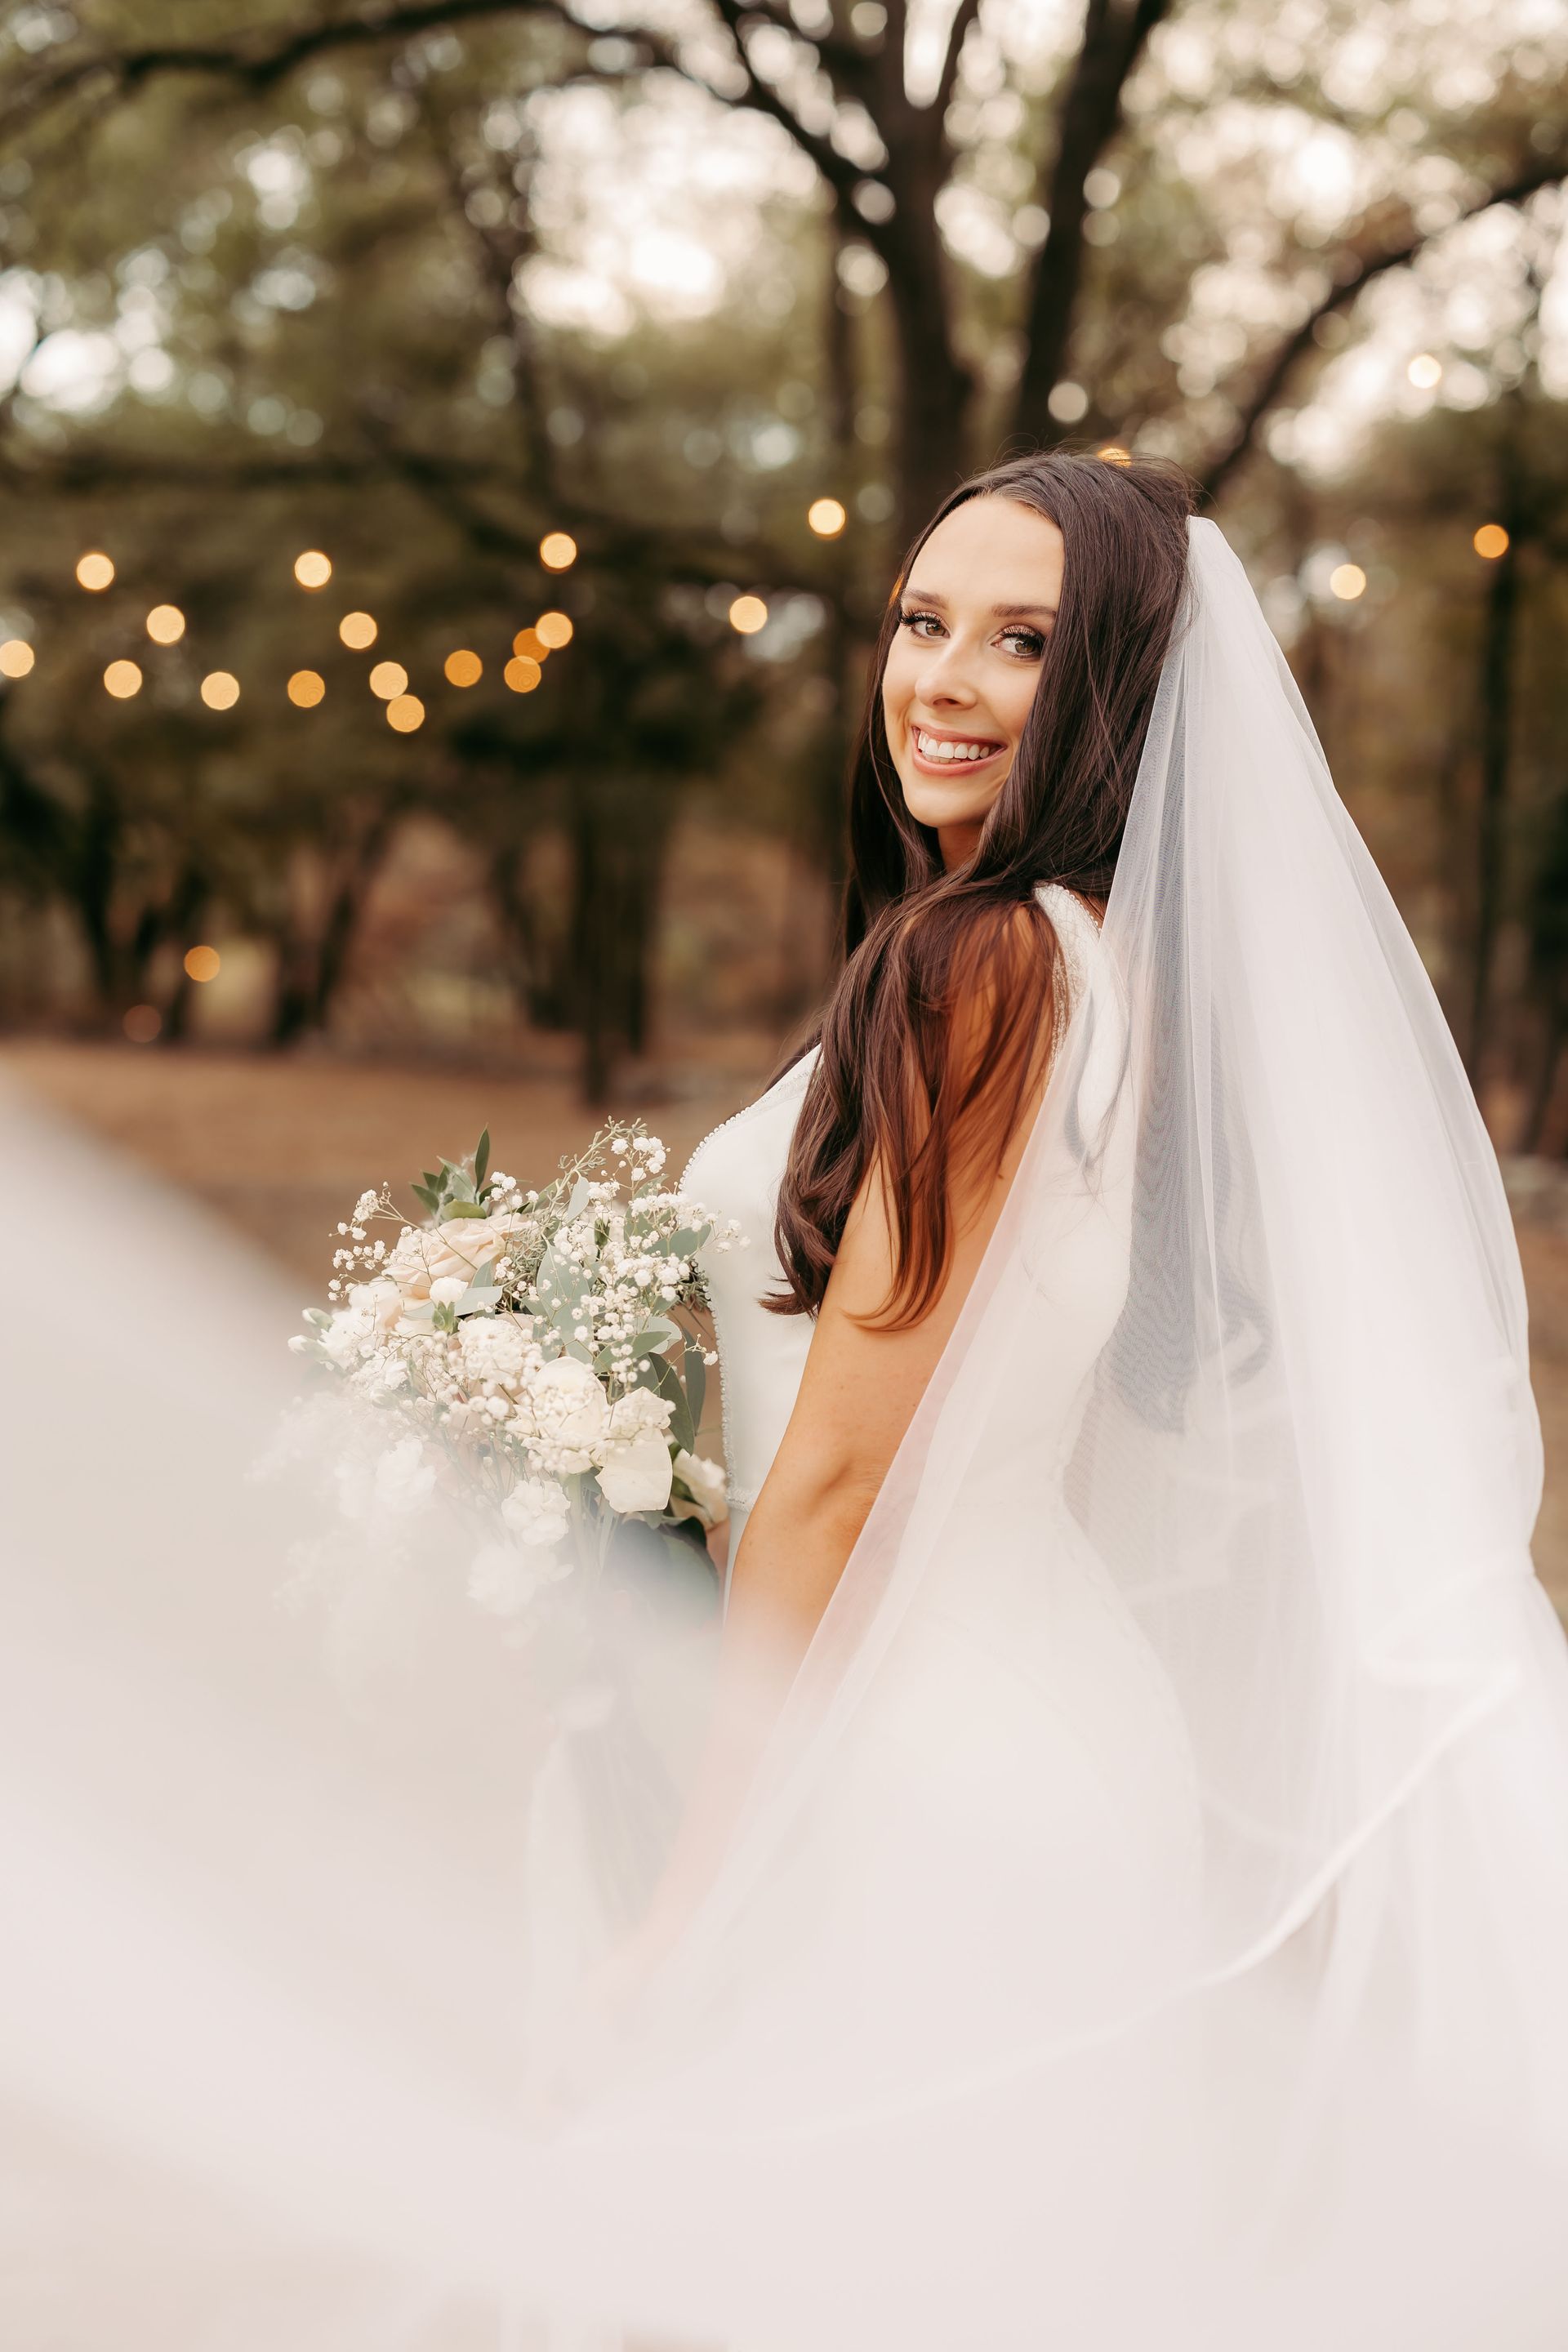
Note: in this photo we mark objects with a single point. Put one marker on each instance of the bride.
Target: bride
(1118, 1892)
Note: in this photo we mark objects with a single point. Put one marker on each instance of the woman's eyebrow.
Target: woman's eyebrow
(998, 612)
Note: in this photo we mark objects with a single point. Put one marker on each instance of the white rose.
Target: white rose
(565, 1405)
(634, 1476)
(708, 1485)
(536, 1512)
(451, 1252)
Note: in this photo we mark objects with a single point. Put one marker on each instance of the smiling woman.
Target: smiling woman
(965, 664)
(1009, 701)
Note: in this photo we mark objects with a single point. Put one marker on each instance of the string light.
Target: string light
(122, 680)
(748, 615)
(1425, 371)
(463, 667)
(202, 964)
(142, 1024)
(95, 571)
(306, 687)
(165, 624)
(406, 712)
(312, 569)
(521, 673)
(530, 646)
(1490, 540)
(1347, 581)
(389, 679)
(826, 517)
(553, 630)
(220, 690)
(557, 550)
(357, 630)
(16, 658)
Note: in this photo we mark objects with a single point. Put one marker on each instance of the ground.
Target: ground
(281, 1147)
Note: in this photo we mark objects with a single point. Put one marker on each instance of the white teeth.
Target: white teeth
(936, 747)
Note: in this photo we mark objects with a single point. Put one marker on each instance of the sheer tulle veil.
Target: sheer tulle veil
(1217, 2001)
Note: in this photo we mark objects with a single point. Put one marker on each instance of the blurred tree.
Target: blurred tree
(424, 282)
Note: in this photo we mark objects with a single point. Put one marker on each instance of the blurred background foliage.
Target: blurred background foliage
(419, 283)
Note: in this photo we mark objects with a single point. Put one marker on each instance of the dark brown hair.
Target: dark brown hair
(941, 1022)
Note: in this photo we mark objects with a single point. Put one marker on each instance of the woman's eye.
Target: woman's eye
(921, 625)
(1027, 644)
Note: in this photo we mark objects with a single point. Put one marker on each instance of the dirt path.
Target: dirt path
(281, 1148)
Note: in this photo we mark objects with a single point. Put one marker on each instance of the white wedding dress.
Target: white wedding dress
(1021, 1731)
(1148, 1924)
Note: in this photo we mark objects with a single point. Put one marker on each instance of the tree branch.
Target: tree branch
(1114, 35)
(841, 175)
(964, 15)
(1357, 271)
(259, 64)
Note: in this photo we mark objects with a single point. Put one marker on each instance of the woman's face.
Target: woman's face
(975, 614)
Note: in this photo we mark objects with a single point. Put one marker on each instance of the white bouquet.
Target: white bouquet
(538, 1357)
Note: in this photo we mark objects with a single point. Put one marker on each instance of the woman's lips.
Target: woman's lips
(949, 755)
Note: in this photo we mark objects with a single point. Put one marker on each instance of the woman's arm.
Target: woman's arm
(857, 1395)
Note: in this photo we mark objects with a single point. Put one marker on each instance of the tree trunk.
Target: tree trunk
(936, 388)
(1114, 33)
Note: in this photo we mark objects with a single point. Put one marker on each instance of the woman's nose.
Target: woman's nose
(941, 677)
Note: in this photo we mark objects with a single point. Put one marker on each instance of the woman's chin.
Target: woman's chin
(943, 806)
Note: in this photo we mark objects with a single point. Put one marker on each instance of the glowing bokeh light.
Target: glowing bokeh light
(557, 550)
(122, 680)
(16, 658)
(748, 615)
(1347, 581)
(388, 678)
(312, 569)
(165, 624)
(357, 630)
(553, 630)
(203, 963)
(826, 517)
(1425, 371)
(463, 667)
(306, 687)
(530, 646)
(142, 1024)
(220, 690)
(521, 673)
(1114, 453)
(406, 712)
(1490, 540)
(94, 570)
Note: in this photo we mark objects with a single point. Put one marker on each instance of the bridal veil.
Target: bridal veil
(1206, 1988)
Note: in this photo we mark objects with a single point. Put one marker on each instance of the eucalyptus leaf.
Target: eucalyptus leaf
(481, 1157)
(477, 1301)
(465, 1209)
(321, 1317)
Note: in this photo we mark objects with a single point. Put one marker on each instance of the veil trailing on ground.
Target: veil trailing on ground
(1149, 1919)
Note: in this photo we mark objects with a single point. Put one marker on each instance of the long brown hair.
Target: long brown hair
(941, 1021)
